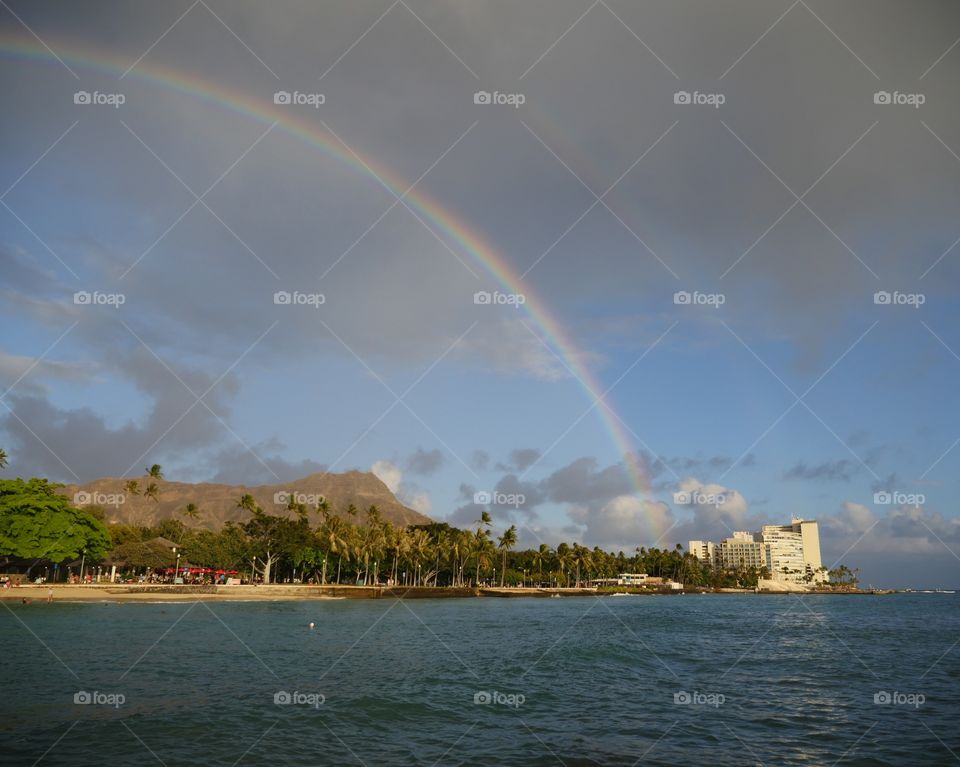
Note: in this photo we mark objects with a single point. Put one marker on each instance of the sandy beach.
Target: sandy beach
(112, 592)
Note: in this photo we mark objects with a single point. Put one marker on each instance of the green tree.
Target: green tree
(152, 492)
(506, 542)
(155, 471)
(3, 458)
(564, 560)
(171, 529)
(38, 523)
(248, 503)
(272, 538)
(143, 554)
(131, 487)
(480, 547)
(542, 555)
(334, 536)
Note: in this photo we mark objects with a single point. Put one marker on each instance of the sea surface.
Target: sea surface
(691, 680)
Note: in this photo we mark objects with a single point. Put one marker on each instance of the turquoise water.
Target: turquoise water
(577, 681)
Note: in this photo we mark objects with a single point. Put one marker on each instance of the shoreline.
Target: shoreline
(134, 593)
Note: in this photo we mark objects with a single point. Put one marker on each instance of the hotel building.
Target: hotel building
(788, 552)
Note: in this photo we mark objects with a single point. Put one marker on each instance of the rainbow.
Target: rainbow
(441, 218)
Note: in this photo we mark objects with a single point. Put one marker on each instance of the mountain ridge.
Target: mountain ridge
(217, 502)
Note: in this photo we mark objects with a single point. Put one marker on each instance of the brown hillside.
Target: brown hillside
(218, 503)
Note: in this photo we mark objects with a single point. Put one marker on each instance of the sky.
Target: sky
(626, 274)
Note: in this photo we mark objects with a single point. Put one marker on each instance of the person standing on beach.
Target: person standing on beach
(49, 596)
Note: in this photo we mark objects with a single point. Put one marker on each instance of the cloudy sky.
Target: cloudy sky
(720, 242)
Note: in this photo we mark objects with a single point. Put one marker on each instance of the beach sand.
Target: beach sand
(112, 592)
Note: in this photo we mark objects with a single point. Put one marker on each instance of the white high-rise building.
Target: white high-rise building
(788, 552)
(742, 551)
(702, 550)
(794, 550)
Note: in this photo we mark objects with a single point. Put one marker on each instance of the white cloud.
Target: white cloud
(418, 502)
(389, 474)
(624, 522)
(408, 493)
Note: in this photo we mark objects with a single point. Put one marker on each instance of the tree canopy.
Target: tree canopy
(37, 523)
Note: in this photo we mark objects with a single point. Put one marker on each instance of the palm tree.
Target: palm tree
(564, 558)
(192, 511)
(485, 520)
(581, 558)
(155, 471)
(457, 547)
(323, 508)
(481, 550)
(398, 539)
(480, 540)
(506, 542)
(131, 487)
(419, 547)
(375, 540)
(542, 554)
(300, 509)
(247, 503)
(334, 535)
(3, 458)
(152, 491)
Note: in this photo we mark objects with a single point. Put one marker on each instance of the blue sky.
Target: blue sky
(794, 202)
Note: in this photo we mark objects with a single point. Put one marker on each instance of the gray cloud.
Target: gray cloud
(479, 460)
(583, 483)
(262, 464)
(425, 462)
(842, 470)
(520, 459)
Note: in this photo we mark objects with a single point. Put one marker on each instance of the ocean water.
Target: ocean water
(692, 680)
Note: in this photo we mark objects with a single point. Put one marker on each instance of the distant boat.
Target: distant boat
(944, 591)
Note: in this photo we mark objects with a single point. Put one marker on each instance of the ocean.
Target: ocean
(665, 680)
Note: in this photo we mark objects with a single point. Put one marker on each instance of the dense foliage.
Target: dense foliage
(317, 545)
(362, 547)
(37, 523)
